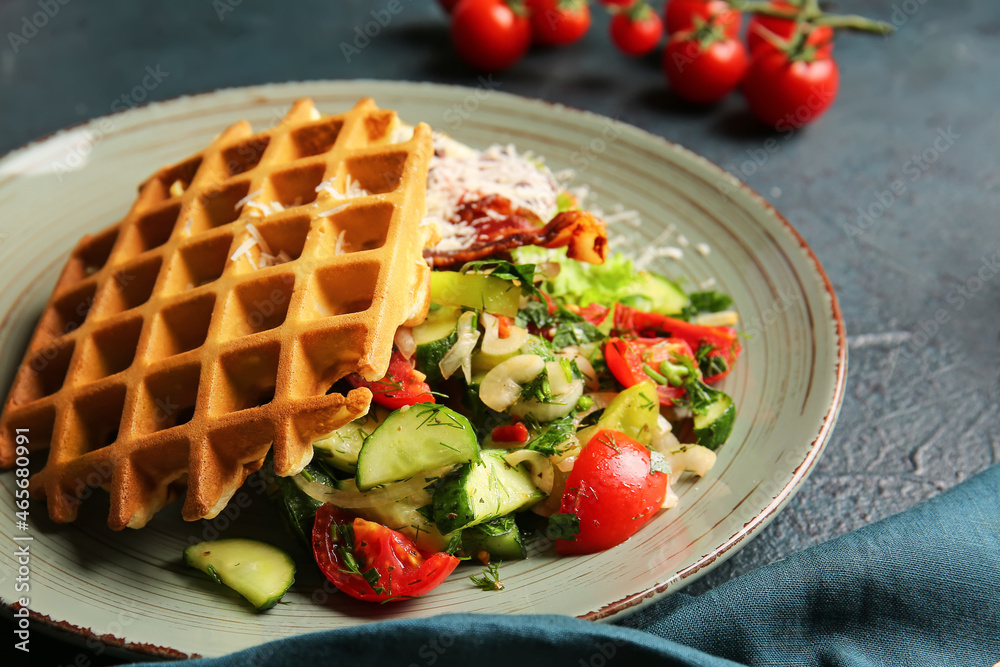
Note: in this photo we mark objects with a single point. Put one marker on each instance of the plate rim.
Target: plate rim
(628, 604)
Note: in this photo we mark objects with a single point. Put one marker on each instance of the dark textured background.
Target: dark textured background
(921, 410)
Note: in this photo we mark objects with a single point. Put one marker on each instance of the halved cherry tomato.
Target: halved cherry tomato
(370, 562)
(680, 15)
(400, 386)
(612, 491)
(723, 341)
(628, 360)
(511, 433)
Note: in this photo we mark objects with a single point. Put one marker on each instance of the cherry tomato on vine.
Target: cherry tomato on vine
(820, 37)
(680, 15)
(704, 71)
(490, 34)
(788, 94)
(636, 32)
(559, 22)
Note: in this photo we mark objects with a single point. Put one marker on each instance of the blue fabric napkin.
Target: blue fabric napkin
(918, 588)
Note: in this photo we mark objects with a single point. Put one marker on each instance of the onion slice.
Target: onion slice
(352, 498)
(493, 344)
(460, 355)
(540, 466)
(404, 342)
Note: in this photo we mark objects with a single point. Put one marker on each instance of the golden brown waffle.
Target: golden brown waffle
(161, 360)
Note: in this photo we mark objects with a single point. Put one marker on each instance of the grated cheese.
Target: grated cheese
(244, 249)
(456, 172)
(260, 241)
(262, 210)
(243, 201)
(334, 211)
(352, 189)
(338, 248)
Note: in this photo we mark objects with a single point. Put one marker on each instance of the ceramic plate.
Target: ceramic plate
(131, 589)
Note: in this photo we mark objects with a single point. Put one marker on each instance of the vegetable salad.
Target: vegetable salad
(544, 401)
(539, 395)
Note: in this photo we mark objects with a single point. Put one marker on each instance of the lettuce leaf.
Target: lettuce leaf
(614, 281)
(582, 283)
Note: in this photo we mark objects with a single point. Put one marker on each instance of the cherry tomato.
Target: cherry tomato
(820, 37)
(721, 341)
(680, 15)
(617, 3)
(448, 5)
(704, 73)
(400, 386)
(612, 491)
(370, 562)
(559, 22)
(636, 34)
(789, 94)
(490, 34)
(628, 361)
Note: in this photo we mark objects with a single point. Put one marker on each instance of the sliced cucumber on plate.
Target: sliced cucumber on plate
(258, 571)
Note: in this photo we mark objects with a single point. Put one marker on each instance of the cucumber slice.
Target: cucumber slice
(633, 412)
(480, 492)
(341, 448)
(500, 538)
(475, 290)
(440, 323)
(713, 427)
(666, 297)
(259, 572)
(411, 519)
(434, 338)
(411, 440)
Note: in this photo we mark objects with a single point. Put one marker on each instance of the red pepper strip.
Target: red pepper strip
(594, 313)
(399, 387)
(511, 433)
(503, 326)
(725, 342)
(625, 360)
(549, 302)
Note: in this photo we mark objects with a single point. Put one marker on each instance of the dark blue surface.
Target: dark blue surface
(916, 589)
(921, 411)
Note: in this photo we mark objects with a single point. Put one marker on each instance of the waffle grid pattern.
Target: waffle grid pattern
(161, 362)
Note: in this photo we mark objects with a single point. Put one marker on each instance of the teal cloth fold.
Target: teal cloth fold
(919, 588)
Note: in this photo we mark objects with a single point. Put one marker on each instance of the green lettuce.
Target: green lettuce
(614, 281)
